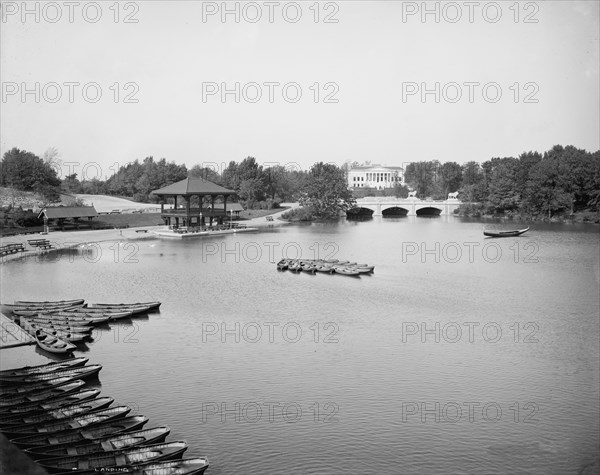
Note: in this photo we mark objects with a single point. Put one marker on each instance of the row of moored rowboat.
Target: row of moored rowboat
(65, 427)
(329, 266)
(57, 325)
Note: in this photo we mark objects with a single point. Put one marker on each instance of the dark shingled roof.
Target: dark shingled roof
(56, 212)
(193, 186)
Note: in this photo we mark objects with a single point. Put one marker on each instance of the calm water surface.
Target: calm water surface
(458, 355)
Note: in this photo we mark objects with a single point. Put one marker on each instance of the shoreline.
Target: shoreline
(70, 239)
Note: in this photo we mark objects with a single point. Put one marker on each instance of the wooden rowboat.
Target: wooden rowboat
(28, 325)
(49, 303)
(53, 344)
(150, 305)
(43, 394)
(41, 406)
(82, 435)
(345, 270)
(45, 368)
(82, 372)
(517, 232)
(76, 422)
(56, 414)
(105, 444)
(195, 466)
(135, 455)
(9, 391)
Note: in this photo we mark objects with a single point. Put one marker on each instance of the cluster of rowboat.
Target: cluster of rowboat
(58, 325)
(65, 427)
(329, 266)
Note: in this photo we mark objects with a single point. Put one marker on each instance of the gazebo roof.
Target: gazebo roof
(193, 186)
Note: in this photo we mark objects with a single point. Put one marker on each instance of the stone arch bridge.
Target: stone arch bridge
(390, 206)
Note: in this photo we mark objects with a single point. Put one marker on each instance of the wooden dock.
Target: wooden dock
(12, 334)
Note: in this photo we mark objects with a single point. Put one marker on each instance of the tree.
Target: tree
(327, 192)
(28, 172)
(420, 176)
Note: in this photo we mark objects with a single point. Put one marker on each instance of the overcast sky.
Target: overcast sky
(511, 77)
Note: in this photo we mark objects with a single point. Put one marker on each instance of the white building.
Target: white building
(375, 176)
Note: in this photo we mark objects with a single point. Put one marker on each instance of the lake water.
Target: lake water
(458, 355)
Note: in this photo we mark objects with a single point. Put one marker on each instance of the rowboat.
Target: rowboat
(49, 303)
(308, 268)
(31, 312)
(36, 308)
(282, 264)
(135, 455)
(82, 372)
(76, 422)
(294, 266)
(26, 322)
(53, 344)
(106, 310)
(105, 444)
(364, 269)
(82, 435)
(40, 406)
(44, 368)
(517, 232)
(9, 391)
(44, 394)
(65, 335)
(150, 305)
(71, 321)
(195, 466)
(345, 270)
(56, 414)
(94, 318)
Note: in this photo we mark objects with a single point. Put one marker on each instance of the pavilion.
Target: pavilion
(198, 202)
(60, 214)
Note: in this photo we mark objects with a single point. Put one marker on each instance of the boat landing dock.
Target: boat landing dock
(12, 334)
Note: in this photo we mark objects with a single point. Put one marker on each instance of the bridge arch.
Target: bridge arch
(394, 211)
(428, 211)
(360, 212)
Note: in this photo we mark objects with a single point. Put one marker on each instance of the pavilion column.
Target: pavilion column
(175, 202)
(187, 208)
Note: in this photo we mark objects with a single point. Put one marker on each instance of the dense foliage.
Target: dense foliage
(563, 179)
(27, 172)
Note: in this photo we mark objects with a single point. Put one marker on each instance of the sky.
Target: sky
(294, 83)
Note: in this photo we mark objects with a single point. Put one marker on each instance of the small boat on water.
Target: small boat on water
(56, 414)
(53, 344)
(83, 435)
(282, 264)
(105, 444)
(72, 321)
(45, 368)
(43, 394)
(81, 372)
(37, 308)
(195, 466)
(79, 422)
(294, 266)
(48, 303)
(8, 391)
(514, 233)
(345, 270)
(30, 325)
(135, 455)
(150, 305)
(37, 407)
(31, 312)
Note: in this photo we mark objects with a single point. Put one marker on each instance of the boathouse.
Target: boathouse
(200, 199)
(61, 215)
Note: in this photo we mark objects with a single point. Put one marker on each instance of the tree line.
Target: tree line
(561, 180)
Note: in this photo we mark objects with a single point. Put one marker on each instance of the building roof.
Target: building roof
(56, 212)
(193, 186)
(375, 167)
